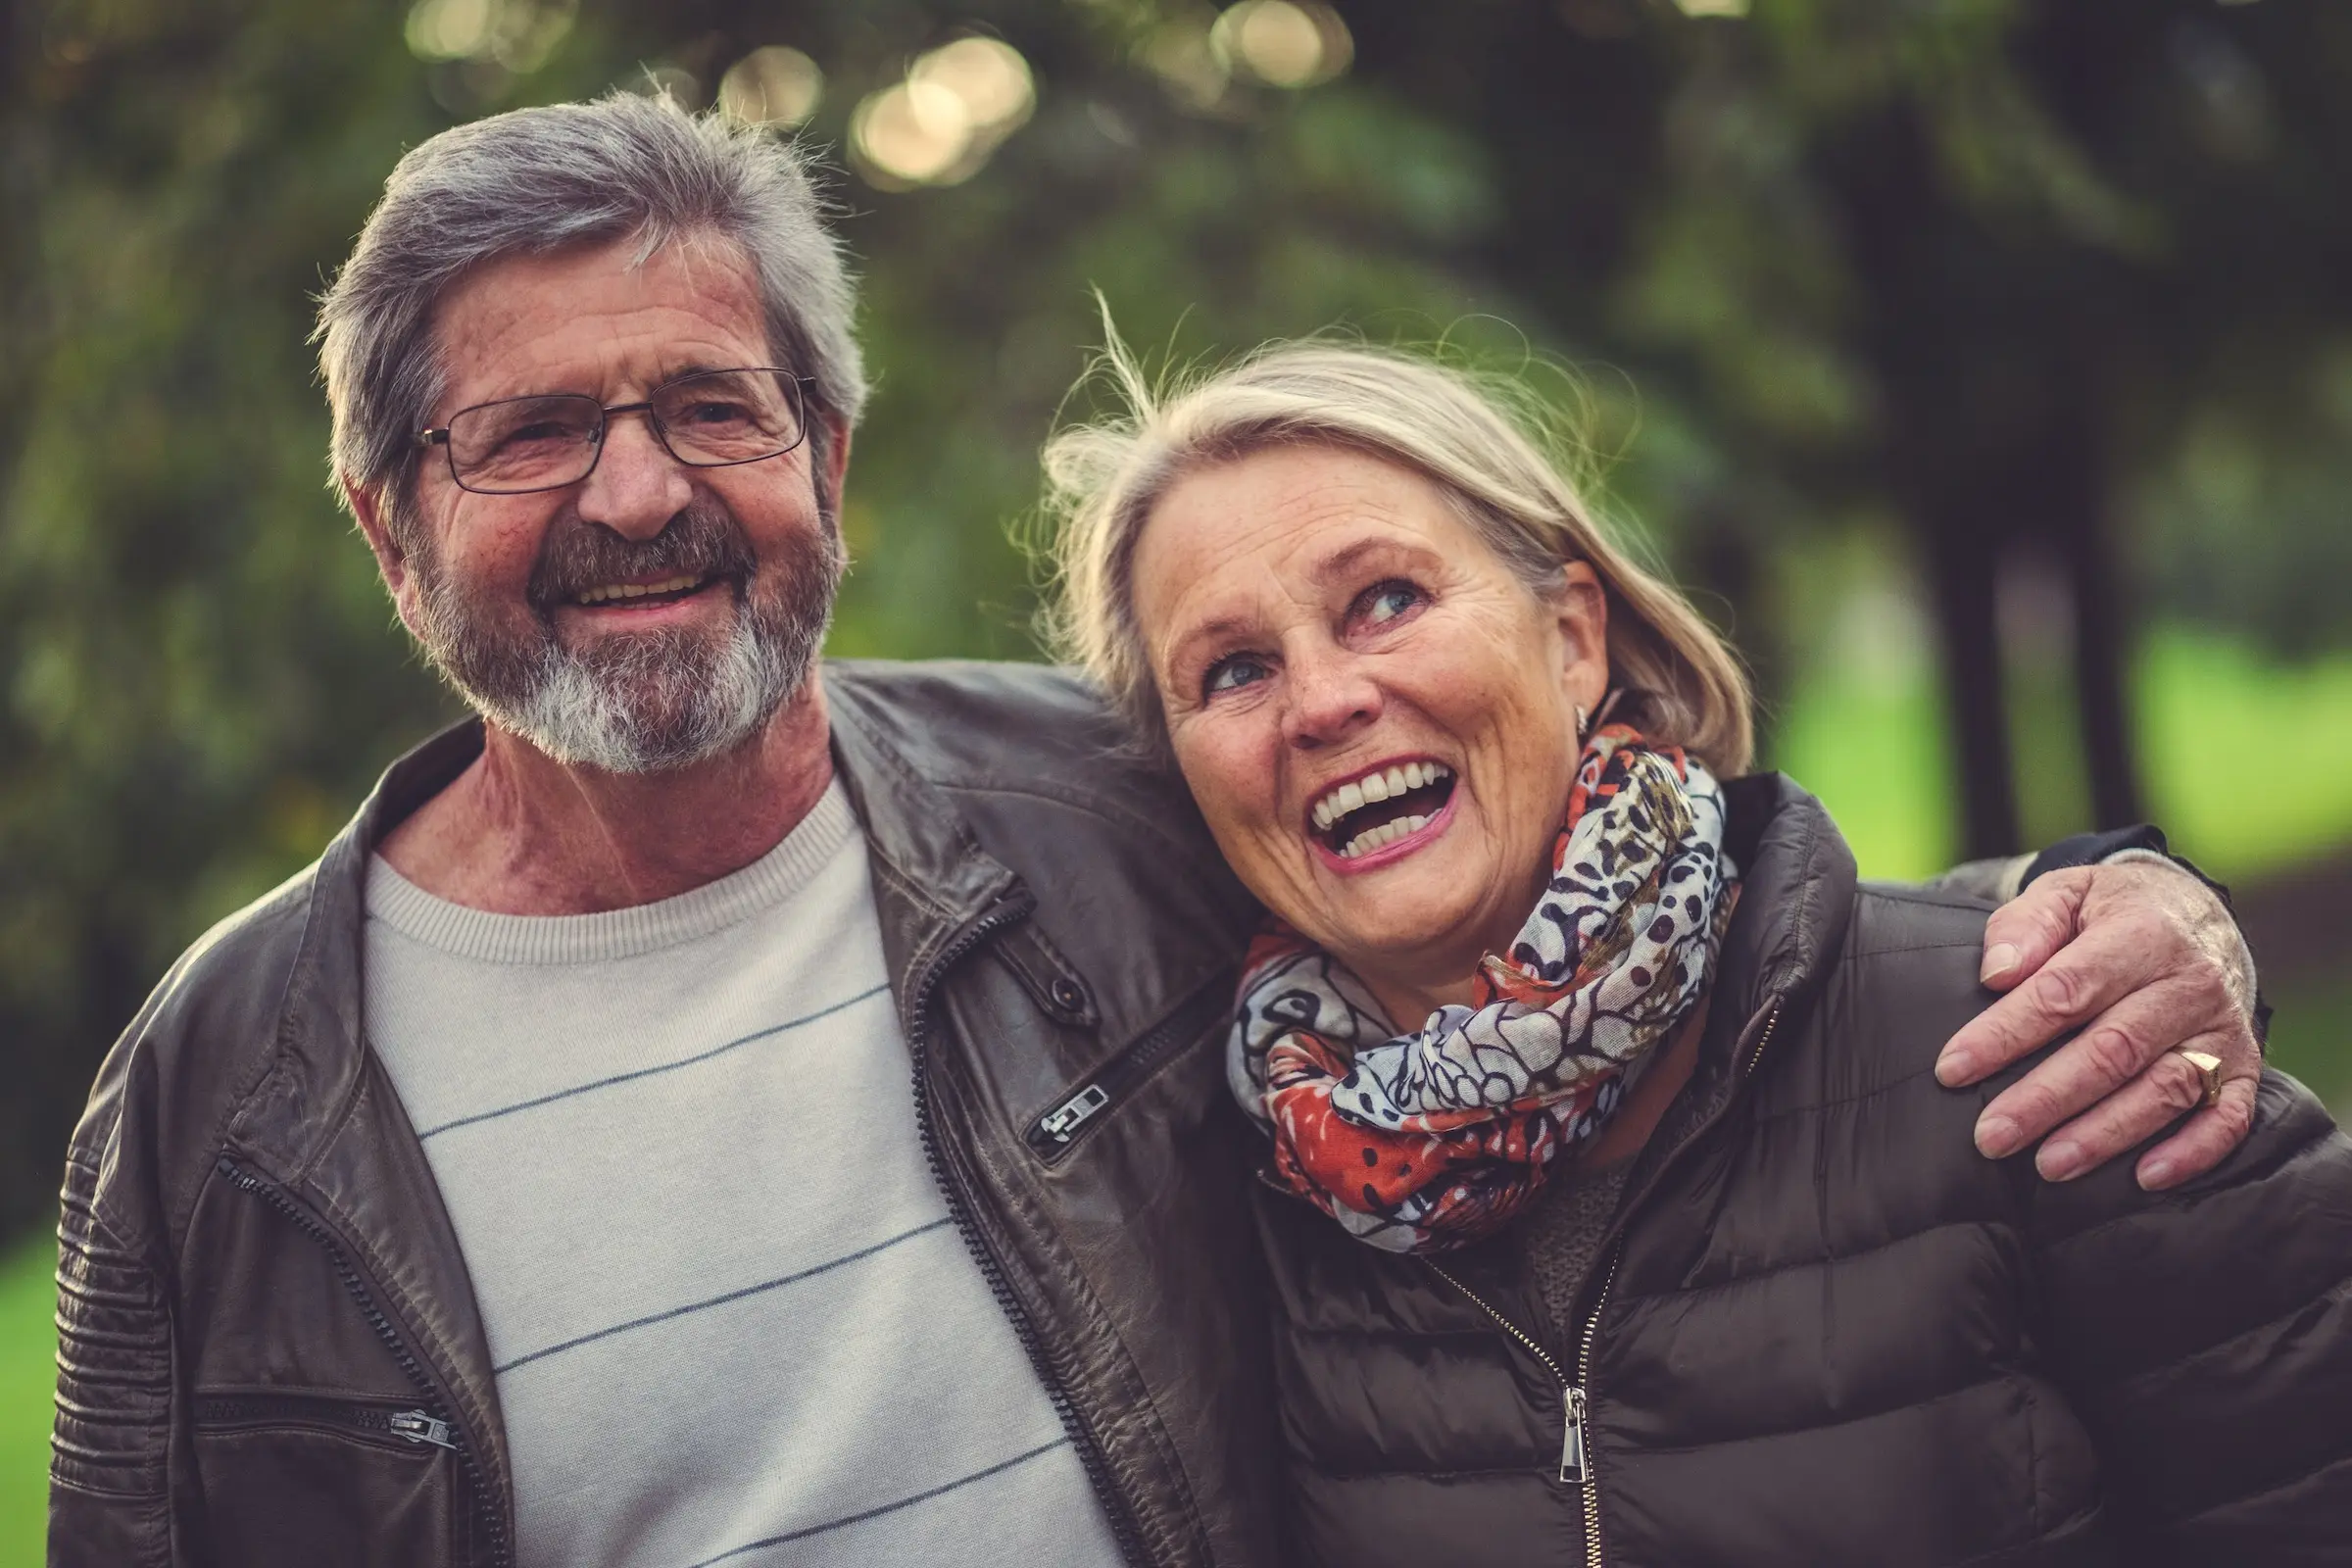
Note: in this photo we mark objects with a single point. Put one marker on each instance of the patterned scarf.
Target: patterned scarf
(1425, 1142)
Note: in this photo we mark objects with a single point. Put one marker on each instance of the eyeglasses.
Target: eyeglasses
(710, 420)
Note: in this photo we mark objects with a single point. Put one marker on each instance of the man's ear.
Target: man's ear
(368, 508)
(1580, 608)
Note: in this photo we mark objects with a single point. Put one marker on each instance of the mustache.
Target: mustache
(703, 540)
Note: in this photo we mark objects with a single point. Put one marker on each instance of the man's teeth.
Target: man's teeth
(1371, 839)
(1357, 794)
(635, 590)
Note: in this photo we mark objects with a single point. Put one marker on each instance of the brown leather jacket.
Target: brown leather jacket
(270, 1351)
(1823, 1331)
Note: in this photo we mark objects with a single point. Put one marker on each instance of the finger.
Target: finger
(2169, 1090)
(2085, 978)
(2204, 1141)
(2027, 932)
(2096, 1063)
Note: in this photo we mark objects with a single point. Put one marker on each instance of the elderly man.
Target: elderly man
(704, 1112)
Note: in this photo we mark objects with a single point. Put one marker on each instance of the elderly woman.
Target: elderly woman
(1612, 1207)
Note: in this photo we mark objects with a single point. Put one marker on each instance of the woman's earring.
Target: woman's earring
(1579, 724)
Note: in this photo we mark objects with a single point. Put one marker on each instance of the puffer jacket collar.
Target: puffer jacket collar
(1797, 885)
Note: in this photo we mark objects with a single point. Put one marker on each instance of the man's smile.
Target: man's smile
(666, 590)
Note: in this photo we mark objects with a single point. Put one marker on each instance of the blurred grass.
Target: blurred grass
(27, 1383)
(1868, 738)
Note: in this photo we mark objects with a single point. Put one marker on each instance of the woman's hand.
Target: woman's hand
(2145, 962)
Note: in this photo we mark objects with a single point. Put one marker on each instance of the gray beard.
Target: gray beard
(638, 701)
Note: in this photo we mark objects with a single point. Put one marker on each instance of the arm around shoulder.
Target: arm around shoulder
(2204, 1336)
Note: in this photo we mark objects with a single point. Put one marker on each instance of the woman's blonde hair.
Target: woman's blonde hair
(1476, 443)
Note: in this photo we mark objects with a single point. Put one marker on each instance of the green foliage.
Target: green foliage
(198, 672)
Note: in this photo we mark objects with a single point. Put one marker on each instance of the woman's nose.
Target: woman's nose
(1332, 697)
(637, 486)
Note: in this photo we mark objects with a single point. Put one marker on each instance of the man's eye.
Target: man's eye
(1233, 673)
(1384, 602)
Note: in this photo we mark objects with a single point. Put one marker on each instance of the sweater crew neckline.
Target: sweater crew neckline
(555, 939)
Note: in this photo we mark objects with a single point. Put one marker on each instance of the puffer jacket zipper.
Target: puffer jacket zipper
(1576, 1393)
(1574, 1454)
(435, 1410)
(1591, 1494)
(1008, 912)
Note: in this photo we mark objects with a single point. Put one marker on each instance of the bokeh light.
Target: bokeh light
(1712, 8)
(1178, 52)
(450, 30)
(1283, 45)
(517, 35)
(772, 87)
(989, 78)
(937, 126)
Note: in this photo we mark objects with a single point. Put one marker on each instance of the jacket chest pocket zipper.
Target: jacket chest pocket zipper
(1051, 1134)
(1060, 1124)
(417, 1429)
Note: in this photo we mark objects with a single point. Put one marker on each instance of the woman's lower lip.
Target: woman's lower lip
(1395, 850)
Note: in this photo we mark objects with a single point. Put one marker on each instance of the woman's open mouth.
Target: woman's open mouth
(1378, 810)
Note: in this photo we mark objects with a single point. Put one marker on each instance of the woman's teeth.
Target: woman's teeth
(1357, 794)
(1386, 833)
(635, 590)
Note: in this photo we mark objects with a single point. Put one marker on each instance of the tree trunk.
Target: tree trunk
(1960, 564)
(2102, 690)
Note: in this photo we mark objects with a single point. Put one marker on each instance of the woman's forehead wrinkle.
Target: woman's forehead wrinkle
(1231, 556)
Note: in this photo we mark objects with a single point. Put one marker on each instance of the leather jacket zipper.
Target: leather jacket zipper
(435, 1412)
(417, 1429)
(1052, 1134)
(1009, 911)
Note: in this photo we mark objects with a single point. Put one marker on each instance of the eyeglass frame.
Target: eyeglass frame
(438, 435)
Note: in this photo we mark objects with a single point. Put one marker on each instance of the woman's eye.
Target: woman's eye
(1232, 673)
(1385, 602)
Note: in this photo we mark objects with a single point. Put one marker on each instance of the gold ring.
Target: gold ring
(2209, 1068)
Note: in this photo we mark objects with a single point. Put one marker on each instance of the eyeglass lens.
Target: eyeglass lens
(711, 420)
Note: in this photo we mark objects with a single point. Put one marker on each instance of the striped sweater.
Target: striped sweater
(731, 1317)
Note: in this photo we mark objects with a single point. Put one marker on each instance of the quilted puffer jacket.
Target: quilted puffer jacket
(1822, 1330)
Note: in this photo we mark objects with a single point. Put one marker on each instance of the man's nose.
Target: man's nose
(637, 486)
(1332, 697)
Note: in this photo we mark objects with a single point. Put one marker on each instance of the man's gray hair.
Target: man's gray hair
(536, 180)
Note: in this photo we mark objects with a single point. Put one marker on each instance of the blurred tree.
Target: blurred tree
(2000, 272)
(1976, 262)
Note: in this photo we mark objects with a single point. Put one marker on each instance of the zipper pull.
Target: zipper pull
(1574, 1470)
(1063, 1125)
(418, 1427)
